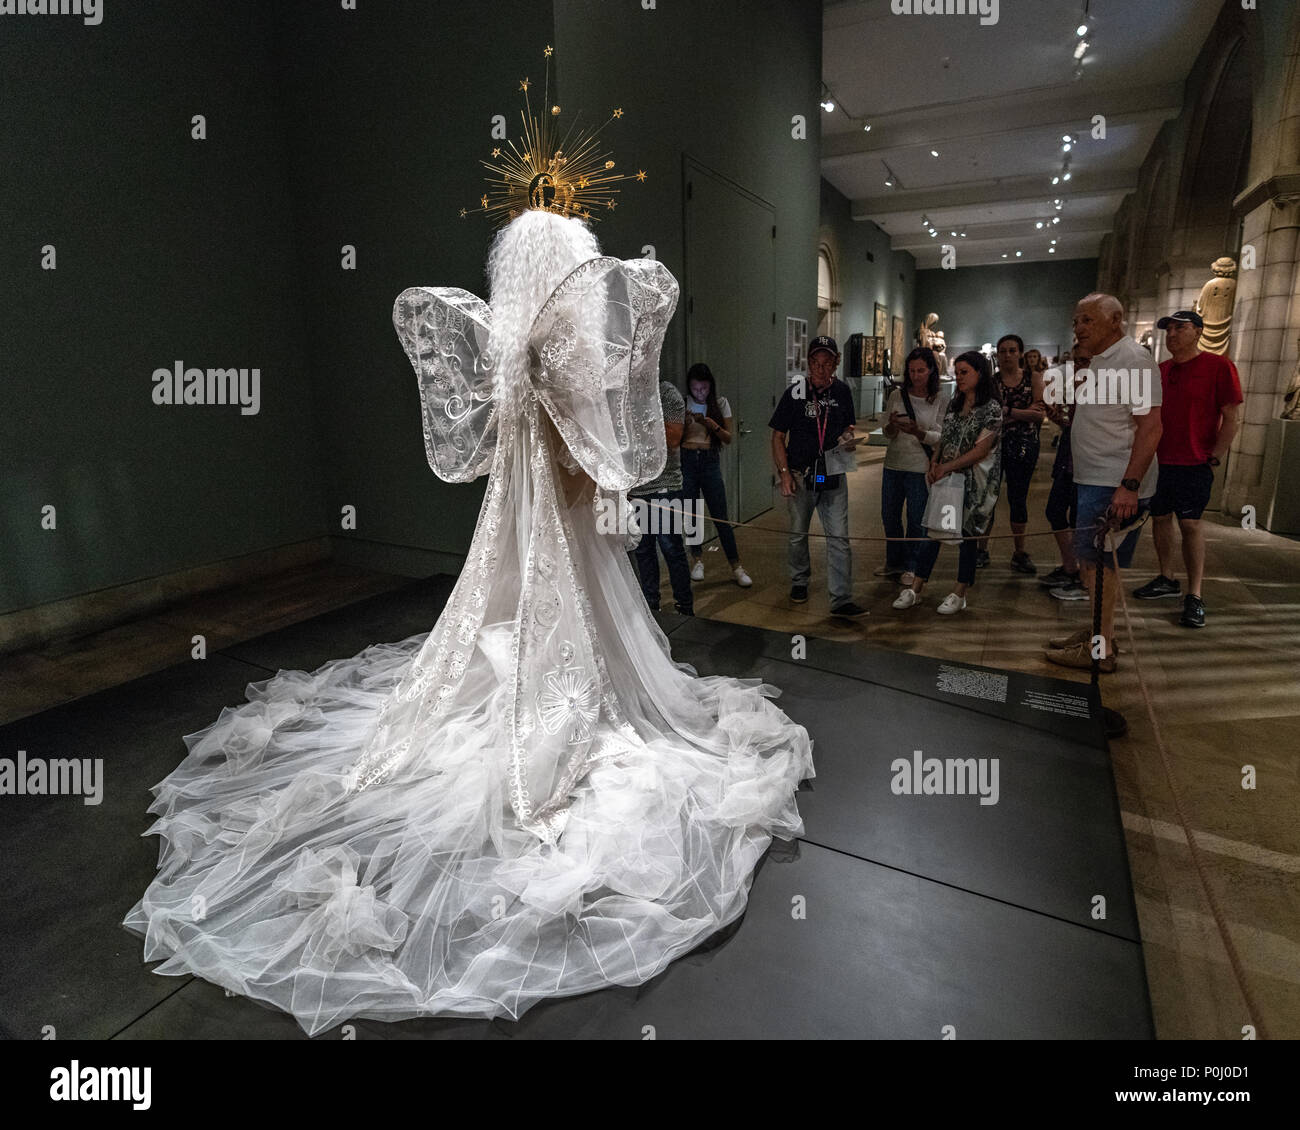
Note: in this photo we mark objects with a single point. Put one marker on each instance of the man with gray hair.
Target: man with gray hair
(1113, 440)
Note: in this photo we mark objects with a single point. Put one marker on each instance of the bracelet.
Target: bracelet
(782, 470)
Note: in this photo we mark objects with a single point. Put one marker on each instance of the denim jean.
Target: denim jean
(702, 474)
(833, 507)
(645, 560)
(897, 488)
(1091, 504)
(929, 554)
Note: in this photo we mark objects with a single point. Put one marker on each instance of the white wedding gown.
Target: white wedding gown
(532, 799)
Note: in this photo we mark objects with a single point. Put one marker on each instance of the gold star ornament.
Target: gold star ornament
(566, 171)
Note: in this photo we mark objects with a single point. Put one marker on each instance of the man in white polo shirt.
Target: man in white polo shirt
(1113, 440)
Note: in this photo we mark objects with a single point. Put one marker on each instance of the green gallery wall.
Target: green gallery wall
(326, 128)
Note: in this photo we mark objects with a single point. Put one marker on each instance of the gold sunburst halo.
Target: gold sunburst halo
(566, 172)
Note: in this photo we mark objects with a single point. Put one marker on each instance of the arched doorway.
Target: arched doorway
(828, 294)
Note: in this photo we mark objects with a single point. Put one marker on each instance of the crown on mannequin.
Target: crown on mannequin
(568, 174)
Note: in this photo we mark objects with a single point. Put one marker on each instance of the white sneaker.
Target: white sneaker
(697, 570)
(952, 603)
(743, 579)
(906, 599)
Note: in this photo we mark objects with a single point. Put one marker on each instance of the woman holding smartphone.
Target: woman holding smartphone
(708, 431)
(915, 413)
(968, 446)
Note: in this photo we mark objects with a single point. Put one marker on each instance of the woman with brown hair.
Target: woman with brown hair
(708, 431)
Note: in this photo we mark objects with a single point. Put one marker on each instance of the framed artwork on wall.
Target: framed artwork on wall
(882, 322)
(898, 348)
(796, 347)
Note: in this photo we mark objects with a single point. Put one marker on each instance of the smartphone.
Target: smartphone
(699, 409)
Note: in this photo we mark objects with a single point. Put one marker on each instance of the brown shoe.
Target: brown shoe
(1079, 656)
(1083, 635)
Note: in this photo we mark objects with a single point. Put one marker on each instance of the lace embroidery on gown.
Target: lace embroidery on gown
(532, 799)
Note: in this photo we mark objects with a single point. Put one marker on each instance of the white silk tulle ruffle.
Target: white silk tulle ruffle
(420, 897)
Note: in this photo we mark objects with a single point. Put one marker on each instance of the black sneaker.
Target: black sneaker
(982, 559)
(1071, 589)
(1023, 563)
(1057, 576)
(799, 594)
(1193, 612)
(849, 610)
(1161, 586)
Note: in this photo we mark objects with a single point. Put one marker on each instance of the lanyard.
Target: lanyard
(823, 419)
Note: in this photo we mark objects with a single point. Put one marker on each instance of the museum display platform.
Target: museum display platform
(901, 912)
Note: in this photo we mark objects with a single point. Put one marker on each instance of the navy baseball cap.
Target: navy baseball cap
(824, 343)
(1182, 316)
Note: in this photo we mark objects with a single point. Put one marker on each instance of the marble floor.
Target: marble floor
(1226, 700)
(1224, 697)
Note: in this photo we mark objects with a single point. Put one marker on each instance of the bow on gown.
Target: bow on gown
(588, 402)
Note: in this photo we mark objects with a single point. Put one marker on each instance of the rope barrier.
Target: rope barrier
(858, 537)
(1216, 912)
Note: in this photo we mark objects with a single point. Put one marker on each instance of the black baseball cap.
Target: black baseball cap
(1182, 316)
(823, 343)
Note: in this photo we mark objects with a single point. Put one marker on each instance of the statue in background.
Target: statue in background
(1215, 306)
(1291, 403)
(931, 338)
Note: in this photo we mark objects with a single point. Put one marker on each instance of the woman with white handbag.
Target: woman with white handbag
(964, 478)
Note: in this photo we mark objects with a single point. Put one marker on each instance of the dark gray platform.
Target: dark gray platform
(921, 911)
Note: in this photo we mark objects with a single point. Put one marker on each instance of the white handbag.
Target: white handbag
(943, 510)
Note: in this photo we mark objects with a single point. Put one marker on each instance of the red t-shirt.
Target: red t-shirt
(1193, 394)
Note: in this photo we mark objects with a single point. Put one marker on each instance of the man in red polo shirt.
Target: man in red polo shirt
(1201, 399)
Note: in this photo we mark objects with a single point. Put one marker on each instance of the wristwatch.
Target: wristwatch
(1131, 484)
(1213, 460)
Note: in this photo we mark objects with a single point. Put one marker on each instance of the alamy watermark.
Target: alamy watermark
(650, 516)
(60, 776)
(179, 385)
(987, 10)
(948, 776)
(90, 11)
(1098, 386)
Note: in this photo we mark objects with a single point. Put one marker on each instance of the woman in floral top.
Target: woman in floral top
(968, 446)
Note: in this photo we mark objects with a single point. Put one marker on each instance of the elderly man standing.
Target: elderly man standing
(1202, 397)
(1113, 440)
(812, 419)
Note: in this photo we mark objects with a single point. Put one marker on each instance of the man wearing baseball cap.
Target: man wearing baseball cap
(1202, 394)
(813, 417)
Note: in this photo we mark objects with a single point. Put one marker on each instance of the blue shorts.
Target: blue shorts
(1092, 502)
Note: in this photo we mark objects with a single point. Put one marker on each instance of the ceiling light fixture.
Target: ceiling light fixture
(1051, 251)
(1056, 180)
(866, 128)
(1082, 49)
(934, 152)
(1081, 30)
(1019, 253)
